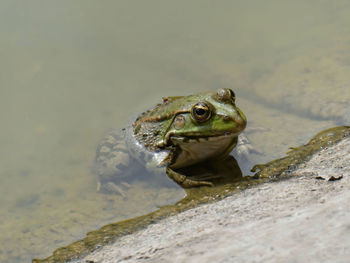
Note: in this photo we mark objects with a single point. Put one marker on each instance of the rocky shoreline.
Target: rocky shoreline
(305, 217)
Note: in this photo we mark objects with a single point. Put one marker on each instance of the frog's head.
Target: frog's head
(205, 124)
(205, 115)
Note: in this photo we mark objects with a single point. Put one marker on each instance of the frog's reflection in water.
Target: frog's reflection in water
(222, 173)
(218, 172)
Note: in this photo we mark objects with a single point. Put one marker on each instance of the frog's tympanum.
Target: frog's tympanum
(178, 133)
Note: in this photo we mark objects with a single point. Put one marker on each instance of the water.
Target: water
(71, 70)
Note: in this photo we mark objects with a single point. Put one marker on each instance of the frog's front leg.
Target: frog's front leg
(184, 181)
(244, 147)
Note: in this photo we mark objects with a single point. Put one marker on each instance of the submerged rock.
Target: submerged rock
(314, 85)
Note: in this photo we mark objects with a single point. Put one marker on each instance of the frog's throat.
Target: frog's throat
(192, 150)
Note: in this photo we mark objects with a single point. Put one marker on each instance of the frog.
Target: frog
(175, 134)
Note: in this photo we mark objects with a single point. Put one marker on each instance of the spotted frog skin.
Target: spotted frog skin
(180, 132)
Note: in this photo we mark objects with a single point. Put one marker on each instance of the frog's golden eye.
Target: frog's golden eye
(201, 112)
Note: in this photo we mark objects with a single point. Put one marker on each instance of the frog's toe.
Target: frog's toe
(184, 181)
(188, 183)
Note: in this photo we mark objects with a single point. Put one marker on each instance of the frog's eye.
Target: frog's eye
(201, 112)
(226, 95)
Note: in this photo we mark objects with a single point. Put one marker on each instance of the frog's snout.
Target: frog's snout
(236, 118)
(240, 119)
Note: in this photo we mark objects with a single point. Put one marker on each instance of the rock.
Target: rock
(297, 220)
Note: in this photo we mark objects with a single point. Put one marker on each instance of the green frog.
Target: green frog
(177, 133)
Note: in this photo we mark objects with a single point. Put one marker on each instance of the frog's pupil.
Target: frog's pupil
(200, 111)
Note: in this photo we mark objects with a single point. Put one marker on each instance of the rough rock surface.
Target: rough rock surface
(305, 218)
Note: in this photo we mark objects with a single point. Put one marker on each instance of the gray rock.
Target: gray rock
(302, 219)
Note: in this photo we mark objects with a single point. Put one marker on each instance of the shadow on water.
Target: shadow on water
(219, 172)
(228, 180)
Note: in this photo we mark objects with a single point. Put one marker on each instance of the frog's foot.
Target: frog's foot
(244, 147)
(112, 188)
(184, 181)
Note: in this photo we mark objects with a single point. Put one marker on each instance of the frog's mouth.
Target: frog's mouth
(193, 137)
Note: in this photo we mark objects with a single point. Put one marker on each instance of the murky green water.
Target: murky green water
(71, 70)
